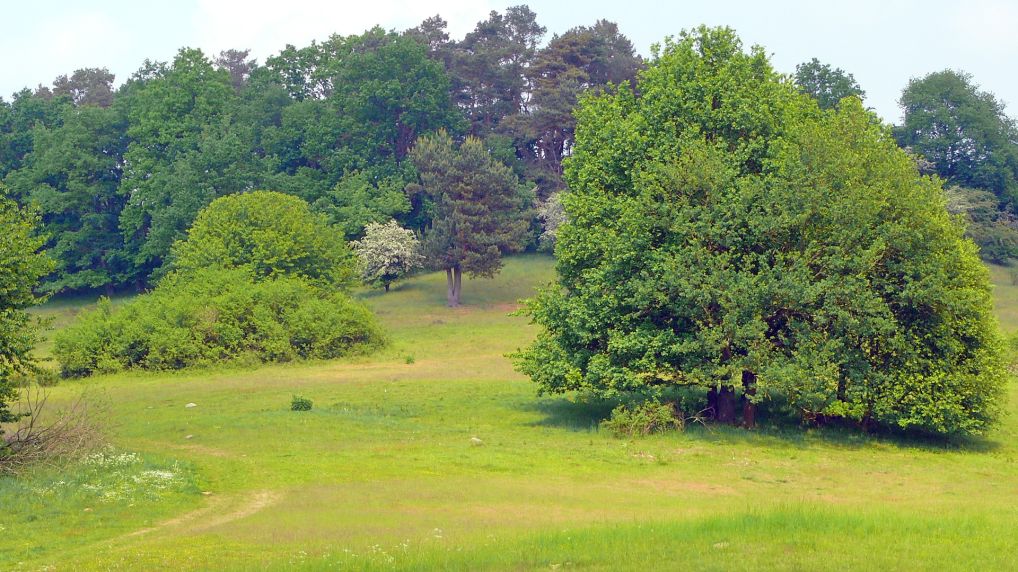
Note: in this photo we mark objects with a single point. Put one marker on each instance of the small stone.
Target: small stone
(207, 493)
(88, 510)
(189, 437)
(190, 405)
(475, 441)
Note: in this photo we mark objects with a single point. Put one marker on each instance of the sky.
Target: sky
(883, 43)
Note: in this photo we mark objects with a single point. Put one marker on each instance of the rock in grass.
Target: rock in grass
(475, 441)
(190, 405)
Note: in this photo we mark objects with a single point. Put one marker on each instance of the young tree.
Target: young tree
(825, 84)
(21, 267)
(387, 253)
(729, 235)
(269, 234)
(479, 208)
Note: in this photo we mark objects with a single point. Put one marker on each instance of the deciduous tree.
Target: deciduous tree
(73, 175)
(21, 267)
(726, 234)
(963, 131)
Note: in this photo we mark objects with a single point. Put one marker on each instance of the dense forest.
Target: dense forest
(118, 173)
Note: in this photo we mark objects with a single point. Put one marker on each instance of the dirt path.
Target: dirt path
(216, 512)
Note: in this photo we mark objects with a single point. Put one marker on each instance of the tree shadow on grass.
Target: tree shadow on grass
(376, 292)
(573, 414)
(777, 427)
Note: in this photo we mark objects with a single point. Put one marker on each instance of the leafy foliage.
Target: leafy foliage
(121, 174)
(184, 151)
(552, 216)
(387, 253)
(728, 234)
(580, 60)
(73, 174)
(358, 200)
(995, 231)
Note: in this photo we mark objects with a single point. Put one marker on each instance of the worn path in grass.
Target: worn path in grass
(386, 471)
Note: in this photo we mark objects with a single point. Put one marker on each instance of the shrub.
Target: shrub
(642, 419)
(300, 403)
(213, 316)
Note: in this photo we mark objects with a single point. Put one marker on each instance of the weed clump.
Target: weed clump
(643, 419)
(300, 403)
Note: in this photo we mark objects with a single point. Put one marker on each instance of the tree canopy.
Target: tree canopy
(730, 236)
(120, 173)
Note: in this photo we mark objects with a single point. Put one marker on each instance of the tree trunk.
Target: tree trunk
(457, 283)
(712, 403)
(386, 286)
(748, 391)
(726, 405)
(450, 290)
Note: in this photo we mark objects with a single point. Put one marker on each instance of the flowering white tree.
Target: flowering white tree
(387, 253)
(552, 216)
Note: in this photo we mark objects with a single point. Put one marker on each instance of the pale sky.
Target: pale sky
(882, 42)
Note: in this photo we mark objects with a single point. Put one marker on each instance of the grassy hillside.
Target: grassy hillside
(435, 454)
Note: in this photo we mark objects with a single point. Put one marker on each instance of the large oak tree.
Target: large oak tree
(725, 233)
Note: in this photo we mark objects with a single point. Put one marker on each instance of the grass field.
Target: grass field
(434, 454)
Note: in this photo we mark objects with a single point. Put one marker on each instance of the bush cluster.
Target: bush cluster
(212, 316)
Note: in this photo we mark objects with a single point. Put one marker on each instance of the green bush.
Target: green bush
(642, 419)
(300, 403)
(213, 316)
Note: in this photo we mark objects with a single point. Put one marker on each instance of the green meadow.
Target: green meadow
(434, 454)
